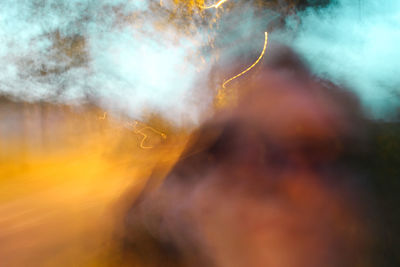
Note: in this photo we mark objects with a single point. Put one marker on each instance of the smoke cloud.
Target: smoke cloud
(355, 44)
(128, 57)
(113, 52)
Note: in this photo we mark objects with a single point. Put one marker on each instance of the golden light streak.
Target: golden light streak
(144, 138)
(140, 131)
(216, 5)
(253, 65)
(103, 117)
(163, 135)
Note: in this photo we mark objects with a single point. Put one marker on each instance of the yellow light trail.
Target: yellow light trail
(216, 5)
(104, 116)
(135, 130)
(252, 66)
(139, 131)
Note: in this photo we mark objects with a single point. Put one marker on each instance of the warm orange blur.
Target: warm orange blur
(63, 172)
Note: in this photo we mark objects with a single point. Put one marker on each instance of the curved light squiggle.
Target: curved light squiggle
(252, 66)
(140, 131)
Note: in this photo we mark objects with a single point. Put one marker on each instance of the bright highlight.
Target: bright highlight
(216, 5)
(252, 66)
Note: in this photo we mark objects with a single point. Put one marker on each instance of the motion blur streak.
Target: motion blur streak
(61, 173)
(252, 66)
(266, 182)
(93, 89)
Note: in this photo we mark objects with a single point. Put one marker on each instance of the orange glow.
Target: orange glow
(63, 173)
(252, 66)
